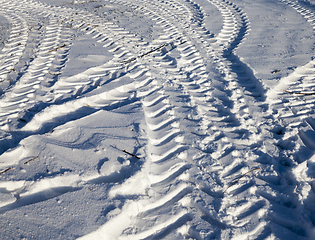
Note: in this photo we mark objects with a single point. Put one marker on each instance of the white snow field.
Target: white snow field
(157, 119)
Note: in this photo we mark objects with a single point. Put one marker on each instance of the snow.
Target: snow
(177, 119)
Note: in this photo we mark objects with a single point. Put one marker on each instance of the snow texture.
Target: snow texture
(165, 119)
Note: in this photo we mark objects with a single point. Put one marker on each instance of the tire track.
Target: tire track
(172, 148)
(38, 93)
(20, 46)
(31, 85)
(236, 76)
(40, 86)
(197, 68)
(283, 154)
(163, 148)
(5, 30)
(198, 99)
(292, 95)
(264, 229)
(294, 110)
(59, 109)
(13, 49)
(167, 61)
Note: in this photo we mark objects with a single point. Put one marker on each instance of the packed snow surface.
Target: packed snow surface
(157, 119)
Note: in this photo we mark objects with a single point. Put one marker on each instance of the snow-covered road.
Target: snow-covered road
(165, 119)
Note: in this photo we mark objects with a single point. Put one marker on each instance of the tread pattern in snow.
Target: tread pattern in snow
(207, 119)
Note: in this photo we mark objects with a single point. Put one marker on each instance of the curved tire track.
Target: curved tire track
(200, 103)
